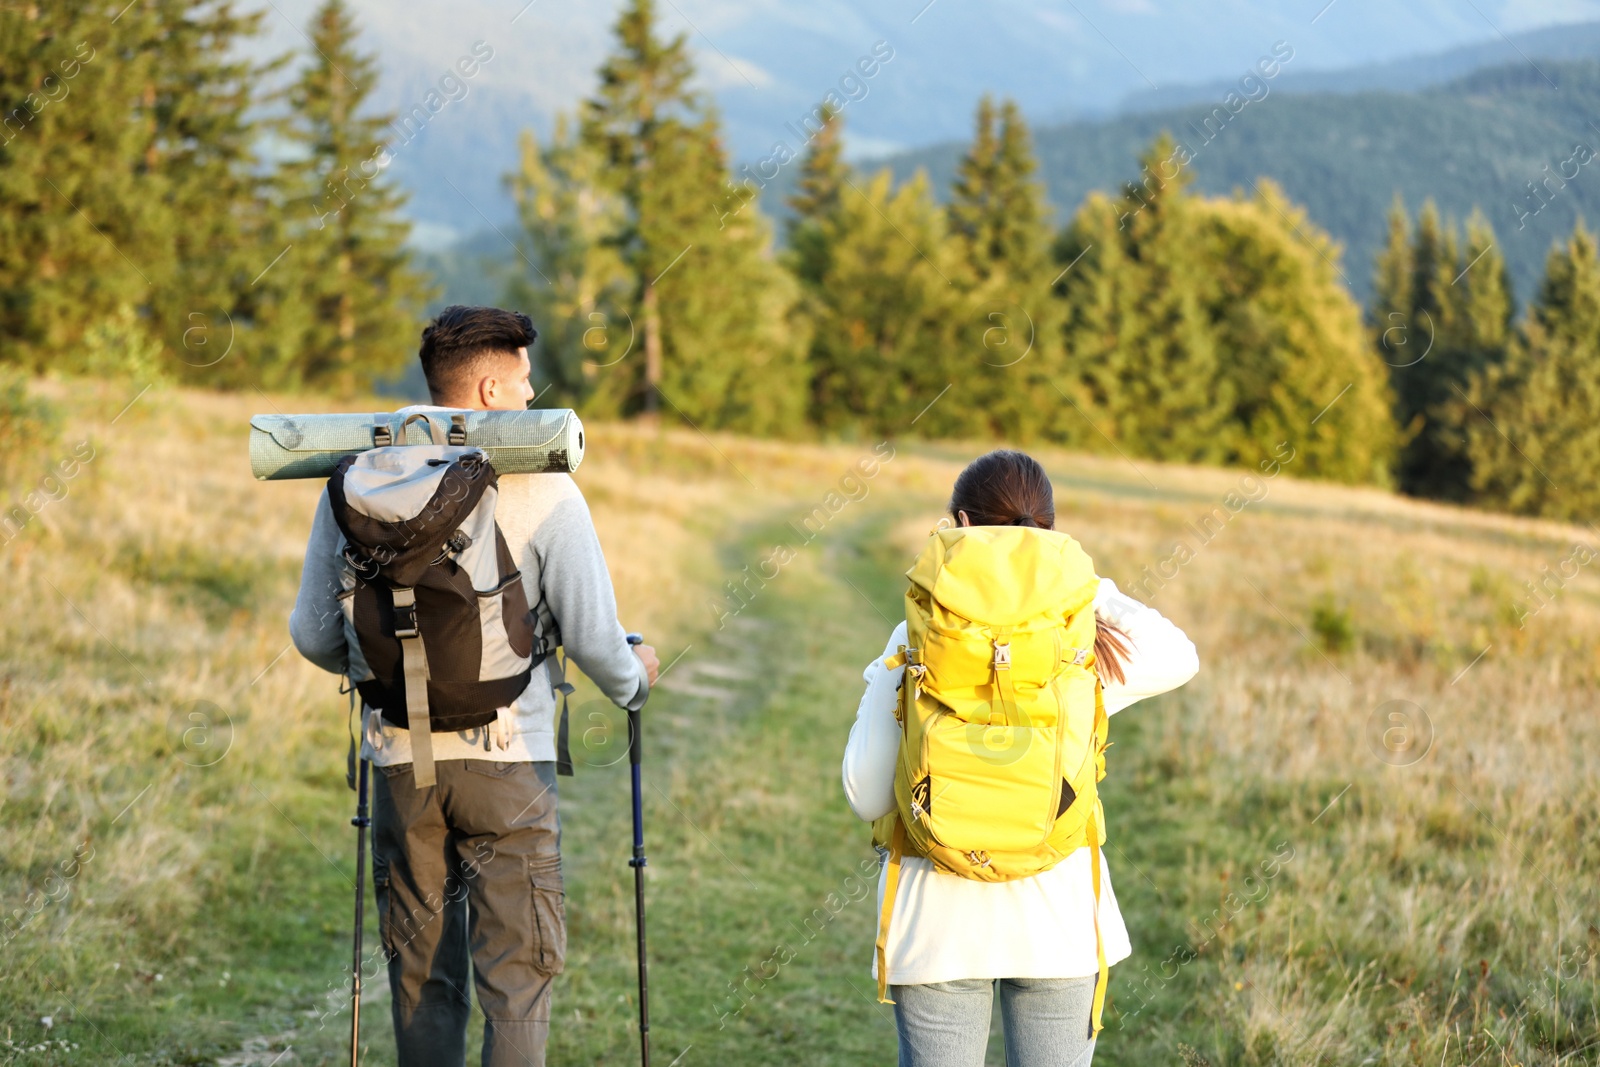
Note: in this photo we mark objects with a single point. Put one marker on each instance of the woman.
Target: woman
(951, 939)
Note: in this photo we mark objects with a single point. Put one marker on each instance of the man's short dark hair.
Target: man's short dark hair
(460, 340)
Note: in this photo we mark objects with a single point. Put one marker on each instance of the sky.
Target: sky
(766, 63)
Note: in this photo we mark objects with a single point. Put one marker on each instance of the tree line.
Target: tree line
(141, 213)
(167, 208)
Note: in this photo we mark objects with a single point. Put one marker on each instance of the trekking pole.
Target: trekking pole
(635, 744)
(360, 822)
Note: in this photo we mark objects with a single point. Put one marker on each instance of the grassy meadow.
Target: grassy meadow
(1366, 833)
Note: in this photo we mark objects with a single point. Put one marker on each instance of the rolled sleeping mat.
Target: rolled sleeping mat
(541, 441)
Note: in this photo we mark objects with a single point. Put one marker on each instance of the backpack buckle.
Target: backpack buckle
(1079, 655)
(458, 429)
(382, 436)
(405, 613)
(1002, 656)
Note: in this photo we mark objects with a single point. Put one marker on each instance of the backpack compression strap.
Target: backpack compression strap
(563, 741)
(1101, 975)
(891, 885)
(1092, 838)
(415, 661)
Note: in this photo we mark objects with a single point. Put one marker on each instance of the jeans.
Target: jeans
(467, 873)
(946, 1024)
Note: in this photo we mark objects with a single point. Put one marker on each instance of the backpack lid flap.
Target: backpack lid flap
(398, 505)
(402, 484)
(1002, 575)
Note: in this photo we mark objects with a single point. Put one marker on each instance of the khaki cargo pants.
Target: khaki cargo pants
(470, 869)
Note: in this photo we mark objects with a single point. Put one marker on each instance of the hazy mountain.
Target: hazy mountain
(1478, 141)
(1569, 41)
(766, 63)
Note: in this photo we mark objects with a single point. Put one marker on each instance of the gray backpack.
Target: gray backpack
(438, 627)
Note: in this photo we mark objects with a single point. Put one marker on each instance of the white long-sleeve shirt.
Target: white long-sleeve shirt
(945, 927)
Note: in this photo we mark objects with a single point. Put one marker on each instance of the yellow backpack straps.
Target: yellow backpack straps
(1102, 976)
(891, 885)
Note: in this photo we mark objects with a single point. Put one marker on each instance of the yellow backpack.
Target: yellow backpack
(1003, 731)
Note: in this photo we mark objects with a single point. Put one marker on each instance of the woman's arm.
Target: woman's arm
(1160, 657)
(874, 744)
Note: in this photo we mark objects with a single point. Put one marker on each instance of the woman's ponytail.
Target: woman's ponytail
(1111, 651)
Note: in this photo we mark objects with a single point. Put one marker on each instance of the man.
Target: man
(472, 864)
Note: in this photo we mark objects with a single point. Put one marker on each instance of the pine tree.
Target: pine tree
(200, 156)
(893, 323)
(139, 206)
(1099, 294)
(1535, 446)
(75, 243)
(1441, 317)
(644, 105)
(713, 307)
(1156, 376)
(972, 208)
(1397, 339)
(1214, 330)
(348, 291)
(1001, 223)
(818, 190)
(575, 286)
(997, 207)
(1299, 367)
(733, 348)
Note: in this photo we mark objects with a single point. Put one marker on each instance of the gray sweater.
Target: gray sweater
(551, 535)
